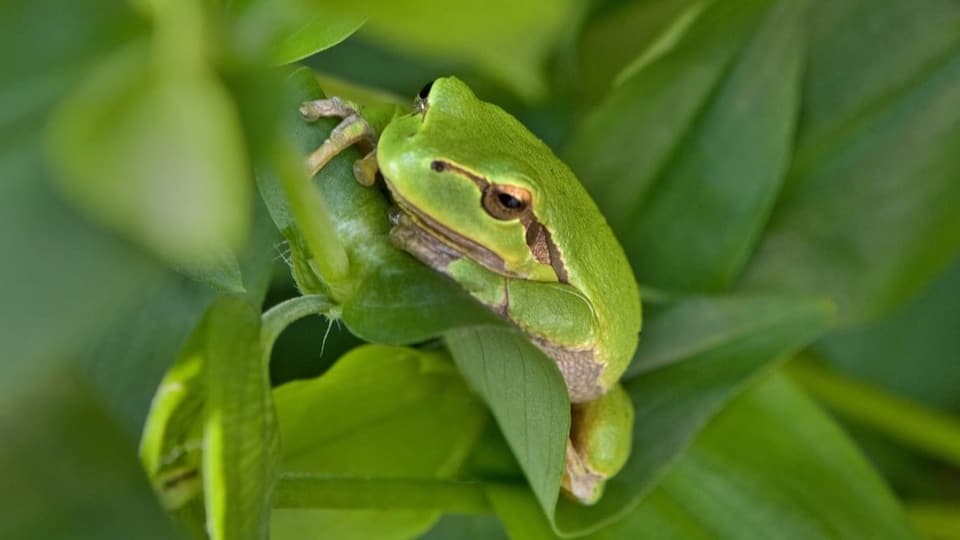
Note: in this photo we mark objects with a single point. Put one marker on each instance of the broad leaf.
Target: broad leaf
(869, 213)
(702, 216)
(240, 443)
(408, 303)
(648, 115)
(508, 40)
(772, 465)
(213, 421)
(617, 35)
(126, 365)
(156, 155)
(923, 331)
(460, 527)
(527, 395)
(698, 324)
(860, 52)
(379, 413)
(675, 401)
(320, 28)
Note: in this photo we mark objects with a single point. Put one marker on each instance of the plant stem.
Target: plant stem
(338, 492)
(282, 315)
(928, 430)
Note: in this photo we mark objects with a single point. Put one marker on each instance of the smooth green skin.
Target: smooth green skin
(481, 138)
(595, 313)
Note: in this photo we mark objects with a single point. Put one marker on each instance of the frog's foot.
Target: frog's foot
(365, 169)
(599, 444)
(579, 481)
(325, 108)
(351, 130)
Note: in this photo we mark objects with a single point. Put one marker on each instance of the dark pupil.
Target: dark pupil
(425, 91)
(509, 201)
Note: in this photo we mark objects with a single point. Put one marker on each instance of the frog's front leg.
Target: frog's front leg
(353, 129)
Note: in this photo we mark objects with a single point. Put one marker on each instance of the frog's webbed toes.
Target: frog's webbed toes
(324, 108)
(365, 169)
(351, 130)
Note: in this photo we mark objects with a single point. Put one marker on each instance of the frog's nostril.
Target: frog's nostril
(425, 91)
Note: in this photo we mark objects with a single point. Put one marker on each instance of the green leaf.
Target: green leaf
(409, 302)
(241, 447)
(649, 115)
(127, 363)
(388, 296)
(703, 215)
(321, 29)
(213, 421)
(618, 35)
(862, 52)
(772, 465)
(923, 330)
(459, 527)
(910, 424)
(528, 398)
(519, 513)
(676, 400)
(699, 324)
(869, 213)
(171, 446)
(219, 269)
(379, 413)
(70, 472)
(157, 154)
(510, 41)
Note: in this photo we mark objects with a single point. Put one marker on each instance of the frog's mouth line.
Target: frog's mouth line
(453, 240)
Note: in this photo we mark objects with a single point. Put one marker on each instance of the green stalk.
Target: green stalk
(338, 492)
(282, 315)
(924, 429)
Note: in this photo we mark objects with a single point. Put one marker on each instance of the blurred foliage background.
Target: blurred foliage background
(761, 161)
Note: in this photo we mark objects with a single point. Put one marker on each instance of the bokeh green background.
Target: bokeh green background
(806, 149)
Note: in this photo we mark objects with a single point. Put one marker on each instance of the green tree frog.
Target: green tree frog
(481, 199)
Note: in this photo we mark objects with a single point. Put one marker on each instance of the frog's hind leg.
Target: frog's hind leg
(599, 445)
(351, 130)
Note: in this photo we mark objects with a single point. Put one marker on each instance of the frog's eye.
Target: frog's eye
(505, 202)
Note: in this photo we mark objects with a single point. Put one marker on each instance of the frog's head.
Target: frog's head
(469, 175)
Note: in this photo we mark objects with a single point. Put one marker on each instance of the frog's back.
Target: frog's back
(597, 266)
(592, 258)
